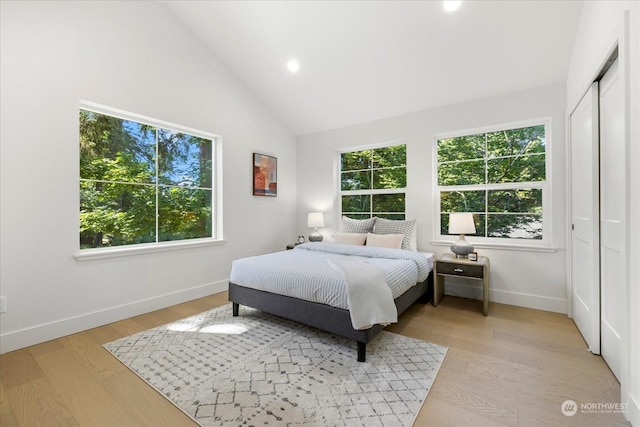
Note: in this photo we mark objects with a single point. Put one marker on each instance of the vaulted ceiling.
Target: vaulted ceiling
(366, 60)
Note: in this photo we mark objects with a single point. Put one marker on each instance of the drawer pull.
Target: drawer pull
(458, 270)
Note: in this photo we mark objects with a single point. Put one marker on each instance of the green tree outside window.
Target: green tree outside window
(499, 176)
(141, 183)
(372, 182)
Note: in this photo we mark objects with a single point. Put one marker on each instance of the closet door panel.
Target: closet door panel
(585, 244)
(612, 217)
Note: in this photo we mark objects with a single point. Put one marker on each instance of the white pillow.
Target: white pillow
(350, 238)
(408, 228)
(393, 241)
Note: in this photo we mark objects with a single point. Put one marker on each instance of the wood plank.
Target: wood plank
(18, 367)
(147, 406)
(85, 397)
(442, 413)
(104, 334)
(92, 357)
(38, 403)
(465, 393)
(7, 415)
(44, 348)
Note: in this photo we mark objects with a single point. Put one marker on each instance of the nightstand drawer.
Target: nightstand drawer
(460, 269)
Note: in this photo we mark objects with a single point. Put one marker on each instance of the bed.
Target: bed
(305, 285)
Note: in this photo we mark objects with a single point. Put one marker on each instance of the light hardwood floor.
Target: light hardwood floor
(512, 368)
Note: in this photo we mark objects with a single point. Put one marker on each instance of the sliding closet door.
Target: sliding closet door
(585, 245)
(612, 217)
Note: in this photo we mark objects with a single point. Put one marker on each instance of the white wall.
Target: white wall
(136, 57)
(525, 278)
(602, 25)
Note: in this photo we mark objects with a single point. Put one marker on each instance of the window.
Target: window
(500, 175)
(373, 182)
(143, 182)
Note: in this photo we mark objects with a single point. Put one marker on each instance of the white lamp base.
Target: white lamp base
(462, 248)
(315, 236)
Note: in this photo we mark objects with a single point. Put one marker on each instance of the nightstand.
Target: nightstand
(449, 265)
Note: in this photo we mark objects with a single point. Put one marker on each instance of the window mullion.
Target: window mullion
(486, 191)
(371, 184)
(486, 160)
(157, 187)
(486, 213)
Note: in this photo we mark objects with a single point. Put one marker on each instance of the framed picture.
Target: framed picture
(265, 175)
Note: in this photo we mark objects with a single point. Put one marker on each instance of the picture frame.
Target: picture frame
(265, 175)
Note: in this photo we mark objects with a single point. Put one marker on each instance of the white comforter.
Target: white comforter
(305, 272)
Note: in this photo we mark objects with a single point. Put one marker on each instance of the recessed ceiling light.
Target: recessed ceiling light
(450, 6)
(293, 66)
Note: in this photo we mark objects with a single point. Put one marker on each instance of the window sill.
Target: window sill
(498, 246)
(120, 251)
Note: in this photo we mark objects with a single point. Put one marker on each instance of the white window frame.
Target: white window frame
(216, 188)
(546, 243)
(371, 192)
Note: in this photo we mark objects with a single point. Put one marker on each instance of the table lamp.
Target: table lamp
(461, 223)
(315, 220)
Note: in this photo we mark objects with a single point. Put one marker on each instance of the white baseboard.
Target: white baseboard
(40, 333)
(45, 332)
(538, 302)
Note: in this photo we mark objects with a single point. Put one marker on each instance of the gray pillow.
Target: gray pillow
(406, 227)
(349, 225)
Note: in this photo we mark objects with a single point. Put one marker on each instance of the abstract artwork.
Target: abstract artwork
(265, 175)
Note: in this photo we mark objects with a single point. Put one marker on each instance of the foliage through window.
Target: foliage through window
(499, 176)
(373, 182)
(141, 183)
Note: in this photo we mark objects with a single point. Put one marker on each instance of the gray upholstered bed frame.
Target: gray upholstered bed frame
(322, 316)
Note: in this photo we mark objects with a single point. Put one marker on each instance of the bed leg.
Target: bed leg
(236, 309)
(362, 351)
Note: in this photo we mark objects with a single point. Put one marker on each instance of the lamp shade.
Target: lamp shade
(461, 223)
(315, 219)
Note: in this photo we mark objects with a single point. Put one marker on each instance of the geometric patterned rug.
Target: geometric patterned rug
(259, 369)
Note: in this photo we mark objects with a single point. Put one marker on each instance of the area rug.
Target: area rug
(259, 369)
